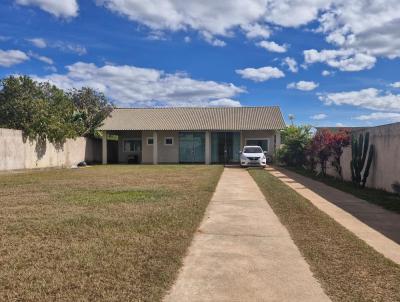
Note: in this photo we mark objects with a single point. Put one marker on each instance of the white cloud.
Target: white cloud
(319, 117)
(303, 85)
(12, 57)
(395, 85)
(44, 59)
(134, 86)
(344, 60)
(326, 73)
(368, 27)
(291, 64)
(272, 46)
(340, 125)
(187, 39)
(58, 8)
(38, 42)
(393, 116)
(225, 103)
(70, 47)
(260, 74)
(369, 98)
(256, 31)
(209, 38)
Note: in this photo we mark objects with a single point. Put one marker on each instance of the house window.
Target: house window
(132, 145)
(168, 141)
(150, 141)
(262, 142)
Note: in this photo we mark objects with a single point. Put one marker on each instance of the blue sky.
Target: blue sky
(323, 61)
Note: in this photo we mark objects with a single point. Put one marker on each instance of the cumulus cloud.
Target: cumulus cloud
(12, 57)
(44, 59)
(38, 42)
(291, 64)
(63, 8)
(326, 73)
(369, 98)
(368, 27)
(260, 74)
(70, 47)
(225, 103)
(256, 31)
(393, 116)
(272, 46)
(303, 85)
(134, 86)
(318, 117)
(395, 85)
(344, 60)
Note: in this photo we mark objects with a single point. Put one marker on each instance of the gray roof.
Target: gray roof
(195, 118)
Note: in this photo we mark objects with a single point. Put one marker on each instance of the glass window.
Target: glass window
(150, 141)
(132, 145)
(169, 141)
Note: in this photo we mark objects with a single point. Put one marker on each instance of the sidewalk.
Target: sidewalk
(242, 252)
(378, 227)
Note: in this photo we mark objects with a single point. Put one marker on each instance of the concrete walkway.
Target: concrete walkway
(378, 227)
(242, 252)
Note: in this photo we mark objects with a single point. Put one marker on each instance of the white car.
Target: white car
(253, 156)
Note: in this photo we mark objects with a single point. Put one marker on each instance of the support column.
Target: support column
(155, 148)
(241, 140)
(104, 147)
(208, 148)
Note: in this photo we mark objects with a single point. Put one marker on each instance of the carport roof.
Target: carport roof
(195, 118)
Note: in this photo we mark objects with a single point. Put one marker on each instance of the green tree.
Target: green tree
(295, 139)
(92, 109)
(42, 111)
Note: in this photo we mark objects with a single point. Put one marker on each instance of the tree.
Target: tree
(92, 109)
(321, 148)
(295, 139)
(340, 140)
(42, 111)
(326, 144)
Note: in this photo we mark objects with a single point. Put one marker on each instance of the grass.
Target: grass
(104, 233)
(387, 200)
(348, 269)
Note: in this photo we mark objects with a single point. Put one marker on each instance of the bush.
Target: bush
(295, 139)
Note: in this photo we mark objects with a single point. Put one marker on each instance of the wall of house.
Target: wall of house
(258, 134)
(123, 135)
(385, 168)
(170, 154)
(166, 153)
(16, 152)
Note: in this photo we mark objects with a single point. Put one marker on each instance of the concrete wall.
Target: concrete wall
(19, 153)
(385, 169)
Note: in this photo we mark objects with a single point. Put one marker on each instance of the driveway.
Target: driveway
(242, 252)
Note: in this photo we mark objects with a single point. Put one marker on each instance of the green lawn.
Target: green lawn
(103, 233)
(348, 269)
(387, 200)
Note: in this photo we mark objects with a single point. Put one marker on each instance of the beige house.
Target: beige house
(191, 135)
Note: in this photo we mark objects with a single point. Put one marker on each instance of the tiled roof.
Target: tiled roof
(195, 118)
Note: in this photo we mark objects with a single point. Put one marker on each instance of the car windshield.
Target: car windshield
(252, 150)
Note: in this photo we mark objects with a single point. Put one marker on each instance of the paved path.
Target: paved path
(242, 252)
(378, 227)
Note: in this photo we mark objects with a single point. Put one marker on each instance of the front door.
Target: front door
(225, 147)
(191, 147)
